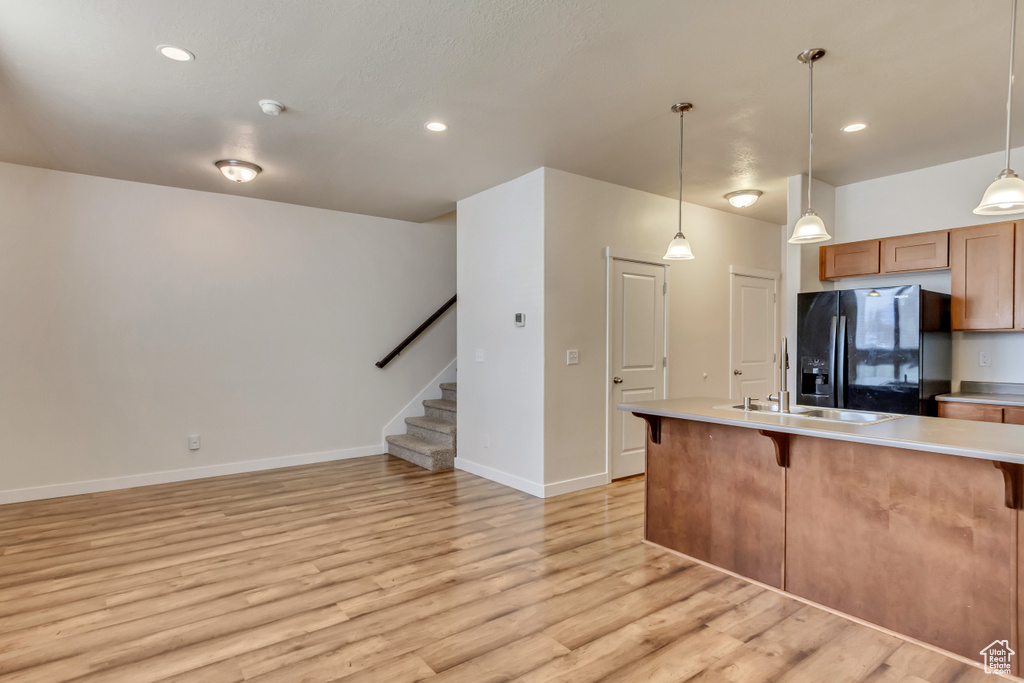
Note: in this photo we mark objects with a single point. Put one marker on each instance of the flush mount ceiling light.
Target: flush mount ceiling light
(238, 171)
(178, 54)
(741, 199)
(854, 127)
(679, 247)
(271, 107)
(436, 127)
(810, 228)
(1006, 194)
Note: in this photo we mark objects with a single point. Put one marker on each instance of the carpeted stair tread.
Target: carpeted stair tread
(441, 404)
(431, 424)
(414, 443)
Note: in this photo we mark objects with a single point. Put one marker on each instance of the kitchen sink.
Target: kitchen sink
(861, 417)
(771, 408)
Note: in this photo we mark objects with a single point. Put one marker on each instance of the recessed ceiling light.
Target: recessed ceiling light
(178, 54)
(854, 127)
(437, 126)
(238, 171)
(741, 199)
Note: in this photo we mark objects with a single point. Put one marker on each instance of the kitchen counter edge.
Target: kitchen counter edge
(969, 439)
(991, 399)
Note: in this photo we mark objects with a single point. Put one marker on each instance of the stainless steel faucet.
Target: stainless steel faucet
(783, 396)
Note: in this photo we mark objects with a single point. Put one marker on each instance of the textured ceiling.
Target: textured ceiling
(580, 85)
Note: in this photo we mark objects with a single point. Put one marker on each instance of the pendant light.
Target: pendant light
(810, 228)
(1006, 194)
(679, 247)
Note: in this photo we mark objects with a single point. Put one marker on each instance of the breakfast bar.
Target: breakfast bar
(910, 523)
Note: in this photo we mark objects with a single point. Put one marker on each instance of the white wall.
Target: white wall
(135, 315)
(934, 198)
(582, 217)
(501, 273)
(536, 245)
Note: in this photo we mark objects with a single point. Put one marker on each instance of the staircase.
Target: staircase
(429, 441)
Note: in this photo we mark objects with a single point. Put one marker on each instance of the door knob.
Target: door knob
(617, 380)
(737, 372)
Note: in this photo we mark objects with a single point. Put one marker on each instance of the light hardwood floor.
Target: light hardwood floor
(376, 570)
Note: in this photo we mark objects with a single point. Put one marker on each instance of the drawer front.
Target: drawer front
(980, 412)
(1013, 415)
(927, 251)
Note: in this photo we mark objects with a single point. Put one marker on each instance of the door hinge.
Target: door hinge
(775, 298)
(774, 357)
(664, 288)
(664, 361)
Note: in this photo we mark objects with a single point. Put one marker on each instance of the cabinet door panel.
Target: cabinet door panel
(850, 259)
(920, 543)
(925, 251)
(1013, 415)
(1018, 317)
(981, 264)
(979, 412)
(716, 493)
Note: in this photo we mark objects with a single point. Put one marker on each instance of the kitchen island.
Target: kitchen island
(911, 524)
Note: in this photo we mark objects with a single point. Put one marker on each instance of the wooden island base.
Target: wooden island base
(922, 544)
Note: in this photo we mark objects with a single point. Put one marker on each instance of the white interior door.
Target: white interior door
(637, 358)
(753, 337)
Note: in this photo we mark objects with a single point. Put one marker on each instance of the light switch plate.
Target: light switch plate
(479, 355)
(572, 357)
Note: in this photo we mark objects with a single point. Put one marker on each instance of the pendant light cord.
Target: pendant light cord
(1009, 90)
(810, 129)
(681, 115)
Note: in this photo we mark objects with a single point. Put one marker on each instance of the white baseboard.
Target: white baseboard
(577, 484)
(531, 487)
(511, 480)
(415, 406)
(131, 481)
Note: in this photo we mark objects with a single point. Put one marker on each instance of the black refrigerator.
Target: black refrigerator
(888, 349)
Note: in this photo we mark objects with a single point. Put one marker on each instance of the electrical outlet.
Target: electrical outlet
(984, 360)
(193, 442)
(479, 355)
(572, 357)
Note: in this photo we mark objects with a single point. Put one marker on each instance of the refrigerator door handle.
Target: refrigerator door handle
(832, 361)
(840, 381)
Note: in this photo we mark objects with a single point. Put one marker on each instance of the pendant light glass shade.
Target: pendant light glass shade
(679, 249)
(810, 228)
(1006, 194)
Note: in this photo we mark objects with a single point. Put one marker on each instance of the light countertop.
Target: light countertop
(984, 440)
(972, 397)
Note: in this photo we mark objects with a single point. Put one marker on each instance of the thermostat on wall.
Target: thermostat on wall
(520, 320)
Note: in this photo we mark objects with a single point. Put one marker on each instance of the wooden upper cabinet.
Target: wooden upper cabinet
(849, 260)
(981, 264)
(924, 251)
(1019, 277)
